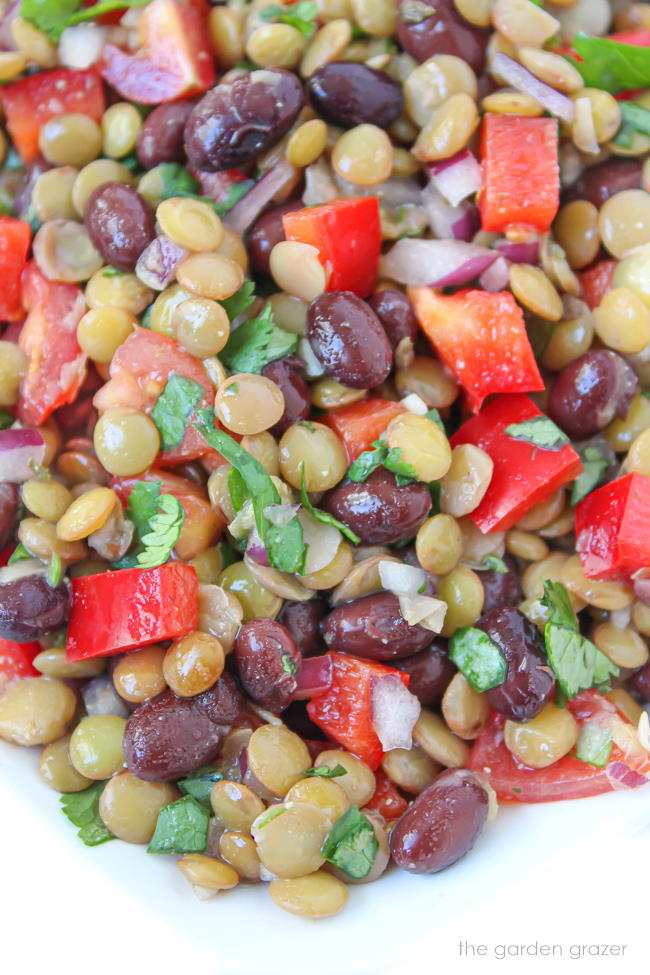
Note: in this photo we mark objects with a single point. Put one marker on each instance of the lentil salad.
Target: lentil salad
(325, 427)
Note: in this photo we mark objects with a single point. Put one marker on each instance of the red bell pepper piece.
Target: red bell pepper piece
(638, 38)
(32, 101)
(361, 423)
(523, 474)
(16, 660)
(15, 237)
(387, 800)
(470, 331)
(347, 235)
(176, 58)
(521, 174)
(344, 710)
(613, 528)
(596, 282)
(117, 611)
(56, 366)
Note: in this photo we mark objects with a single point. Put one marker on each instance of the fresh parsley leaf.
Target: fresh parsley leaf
(240, 301)
(53, 16)
(178, 181)
(324, 516)
(174, 407)
(199, 784)
(82, 809)
(326, 771)
(495, 563)
(239, 493)
(6, 419)
(382, 456)
(164, 531)
(55, 571)
(577, 663)
(594, 744)
(182, 827)
(143, 503)
(434, 415)
(256, 343)
(18, 554)
(352, 845)
(300, 15)
(404, 473)
(478, 658)
(610, 65)
(595, 469)
(540, 431)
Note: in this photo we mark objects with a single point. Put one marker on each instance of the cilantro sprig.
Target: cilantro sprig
(478, 658)
(326, 771)
(495, 563)
(240, 301)
(174, 407)
(595, 467)
(53, 16)
(182, 827)
(381, 456)
(634, 118)
(301, 15)
(82, 809)
(157, 519)
(352, 845)
(256, 343)
(178, 181)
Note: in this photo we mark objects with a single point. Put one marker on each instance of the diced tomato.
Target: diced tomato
(361, 423)
(139, 370)
(470, 331)
(596, 282)
(56, 366)
(613, 528)
(16, 660)
(116, 611)
(347, 235)
(523, 474)
(32, 101)
(521, 173)
(344, 710)
(387, 800)
(15, 237)
(175, 60)
(202, 526)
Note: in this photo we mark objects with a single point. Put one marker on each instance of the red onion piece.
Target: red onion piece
(460, 222)
(438, 263)
(22, 449)
(248, 209)
(394, 711)
(314, 677)
(467, 225)
(524, 253)
(495, 278)
(256, 549)
(156, 266)
(621, 776)
(11, 11)
(458, 177)
(100, 697)
(522, 79)
(281, 514)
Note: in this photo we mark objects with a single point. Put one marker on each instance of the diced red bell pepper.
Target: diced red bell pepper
(15, 237)
(361, 423)
(613, 528)
(16, 660)
(521, 173)
(347, 235)
(638, 38)
(344, 710)
(524, 475)
(32, 101)
(116, 611)
(481, 337)
(56, 366)
(176, 58)
(596, 282)
(387, 800)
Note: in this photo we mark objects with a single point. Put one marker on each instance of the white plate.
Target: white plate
(246, 932)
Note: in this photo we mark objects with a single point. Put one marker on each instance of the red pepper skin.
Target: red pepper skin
(469, 331)
(387, 801)
(521, 173)
(347, 235)
(16, 660)
(523, 474)
(613, 528)
(344, 712)
(361, 423)
(117, 611)
(32, 101)
(15, 237)
(638, 38)
(597, 281)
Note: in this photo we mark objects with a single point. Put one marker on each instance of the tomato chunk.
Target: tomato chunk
(16, 660)
(15, 237)
(613, 528)
(387, 800)
(596, 282)
(361, 423)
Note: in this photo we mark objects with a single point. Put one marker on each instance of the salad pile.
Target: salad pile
(324, 423)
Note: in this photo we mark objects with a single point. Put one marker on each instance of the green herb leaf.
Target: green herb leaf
(594, 744)
(182, 827)
(178, 181)
(164, 532)
(495, 563)
(6, 420)
(199, 784)
(610, 65)
(577, 663)
(324, 516)
(289, 665)
(256, 343)
(478, 658)
(367, 462)
(112, 272)
(434, 415)
(234, 194)
(272, 813)
(326, 771)
(174, 407)
(285, 546)
(82, 809)
(352, 845)
(239, 493)
(404, 473)
(634, 118)
(301, 15)
(540, 431)
(18, 554)
(55, 571)
(240, 301)
(595, 469)
(53, 16)
(143, 503)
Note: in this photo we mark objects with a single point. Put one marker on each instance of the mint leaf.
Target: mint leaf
(324, 516)
(240, 301)
(182, 827)
(540, 431)
(174, 407)
(610, 65)
(18, 554)
(164, 531)
(594, 744)
(352, 845)
(82, 809)
(256, 343)
(495, 563)
(478, 658)
(595, 468)
(301, 15)
(326, 771)
(368, 462)
(53, 16)
(199, 784)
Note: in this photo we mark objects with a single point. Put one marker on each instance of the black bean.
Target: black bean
(296, 719)
(266, 233)
(8, 511)
(30, 607)
(529, 681)
(379, 510)
(395, 312)
(641, 682)
(347, 93)
(237, 121)
(161, 137)
(286, 374)
(373, 627)
(590, 392)
(443, 823)
(303, 622)
(502, 588)
(348, 339)
(598, 183)
(436, 27)
(267, 659)
(120, 224)
(431, 671)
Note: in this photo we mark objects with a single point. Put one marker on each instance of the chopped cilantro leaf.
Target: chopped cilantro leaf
(540, 431)
(82, 809)
(478, 658)
(157, 519)
(53, 16)
(6, 420)
(351, 844)
(174, 408)
(240, 301)
(495, 563)
(324, 516)
(256, 343)
(199, 784)
(326, 771)
(301, 15)
(182, 827)
(595, 468)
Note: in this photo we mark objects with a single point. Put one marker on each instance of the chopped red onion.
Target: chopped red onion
(156, 266)
(621, 776)
(314, 677)
(523, 80)
(248, 209)
(439, 263)
(495, 277)
(468, 224)
(460, 222)
(458, 177)
(100, 697)
(519, 253)
(256, 550)
(11, 11)
(400, 578)
(281, 514)
(394, 711)
(22, 450)
(81, 46)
